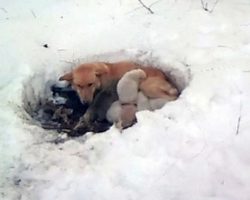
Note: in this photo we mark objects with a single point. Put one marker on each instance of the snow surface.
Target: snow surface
(196, 147)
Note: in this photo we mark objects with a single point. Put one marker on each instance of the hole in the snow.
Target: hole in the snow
(55, 105)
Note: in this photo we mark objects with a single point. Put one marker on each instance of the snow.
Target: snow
(192, 148)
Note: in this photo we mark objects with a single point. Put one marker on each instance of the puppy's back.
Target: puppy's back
(152, 72)
(127, 87)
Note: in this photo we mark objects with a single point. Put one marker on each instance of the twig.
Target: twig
(224, 46)
(215, 4)
(185, 64)
(154, 3)
(148, 8)
(238, 121)
(32, 12)
(61, 49)
(4, 10)
(205, 6)
(66, 61)
(137, 8)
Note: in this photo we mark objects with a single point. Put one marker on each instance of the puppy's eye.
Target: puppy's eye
(79, 86)
(90, 84)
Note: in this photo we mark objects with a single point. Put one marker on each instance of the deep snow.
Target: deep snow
(194, 148)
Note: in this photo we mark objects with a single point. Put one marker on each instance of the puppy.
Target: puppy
(128, 86)
(88, 77)
(128, 117)
(122, 115)
(114, 112)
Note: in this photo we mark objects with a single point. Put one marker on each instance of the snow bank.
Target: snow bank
(194, 148)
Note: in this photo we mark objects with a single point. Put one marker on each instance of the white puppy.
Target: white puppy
(114, 112)
(122, 115)
(127, 87)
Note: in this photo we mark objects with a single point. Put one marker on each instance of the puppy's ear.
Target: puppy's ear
(66, 77)
(101, 69)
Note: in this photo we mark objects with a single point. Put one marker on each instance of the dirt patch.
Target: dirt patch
(63, 110)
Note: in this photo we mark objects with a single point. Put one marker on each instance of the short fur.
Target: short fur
(122, 115)
(157, 103)
(128, 117)
(114, 112)
(156, 87)
(145, 103)
(88, 77)
(98, 109)
(128, 86)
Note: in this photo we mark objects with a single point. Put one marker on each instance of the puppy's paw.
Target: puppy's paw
(118, 125)
(173, 91)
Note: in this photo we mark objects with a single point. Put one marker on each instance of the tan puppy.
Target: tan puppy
(86, 78)
(128, 117)
(128, 86)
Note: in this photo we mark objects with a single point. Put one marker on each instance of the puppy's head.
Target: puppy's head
(137, 74)
(141, 74)
(85, 79)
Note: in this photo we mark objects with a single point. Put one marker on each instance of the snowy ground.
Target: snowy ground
(194, 148)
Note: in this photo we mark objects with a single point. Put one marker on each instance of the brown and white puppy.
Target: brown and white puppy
(88, 77)
(128, 86)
